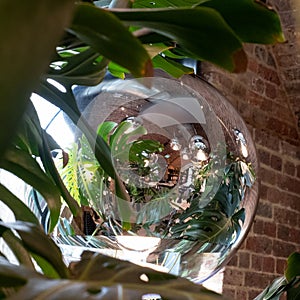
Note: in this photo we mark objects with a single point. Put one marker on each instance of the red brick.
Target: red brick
(253, 293)
(254, 98)
(283, 249)
(268, 74)
(263, 192)
(283, 113)
(233, 261)
(290, 150)
(268, 176)
(288, 183)
(275, 125)
(291, 74)
(293, 133)
(244, 259)
(275, 195)
(276, 162)
(258, 226)
(287, 59)
(241, 294)
(283, 5)
(289, 168)
(268, 265)
(266, 139)
(271, 90)
(228, 292)
(292, 201)
(258, 85)
(256, 262)
(264, 209)
(261, 118)
(283, 232)
(287, 19)
(270, 229)
(298, 171)
(268, 105)
(233, 275)
(280, 265)
(253, 65)
(257, 280)
(286, 233)
(284, 216)
(259, 244)
(264, 156)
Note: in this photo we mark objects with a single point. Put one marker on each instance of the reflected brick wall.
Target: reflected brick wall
(268, 98)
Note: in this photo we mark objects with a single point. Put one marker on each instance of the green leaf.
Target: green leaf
(65, 101)
(201, 31)
(274, 290)
(100, 277)
(143, 146)
(166, 3)
(105, 129)
(89, 177)
(155, 48)
(68, 104)
(81, 68)
(17, 248)
(21, 66)
(251, 20)
(123, 138)
(154, 211)
(105, 33)
(37, 242)
(46, 267)
(12, 275)
(20, 210)
(293, 266)
(116, 70)
(52, 171)
(29, 133)
(23, 165)
(293, 292)
(172, 67)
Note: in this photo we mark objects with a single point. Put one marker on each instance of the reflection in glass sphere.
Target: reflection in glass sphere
(180, 150)
(175, 145)
(198, 149)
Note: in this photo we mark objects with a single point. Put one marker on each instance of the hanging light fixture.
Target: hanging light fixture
(242, 142)
(175, 145)
(198, 148)
(185, 154)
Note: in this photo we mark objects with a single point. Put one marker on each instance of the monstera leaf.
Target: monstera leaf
(94, 277)
(209, 225)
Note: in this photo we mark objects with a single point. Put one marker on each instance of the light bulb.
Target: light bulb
(175, 145)
(201, 155)
(198, 148)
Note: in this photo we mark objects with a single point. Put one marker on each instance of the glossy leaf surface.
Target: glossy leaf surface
(252, 21)
(38, 23)
(201, 31)
(106, 34)
(37, 242)
(23, 165)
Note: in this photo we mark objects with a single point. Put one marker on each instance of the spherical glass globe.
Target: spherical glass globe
(189, 167)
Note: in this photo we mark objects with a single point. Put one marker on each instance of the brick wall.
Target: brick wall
(267, 96)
